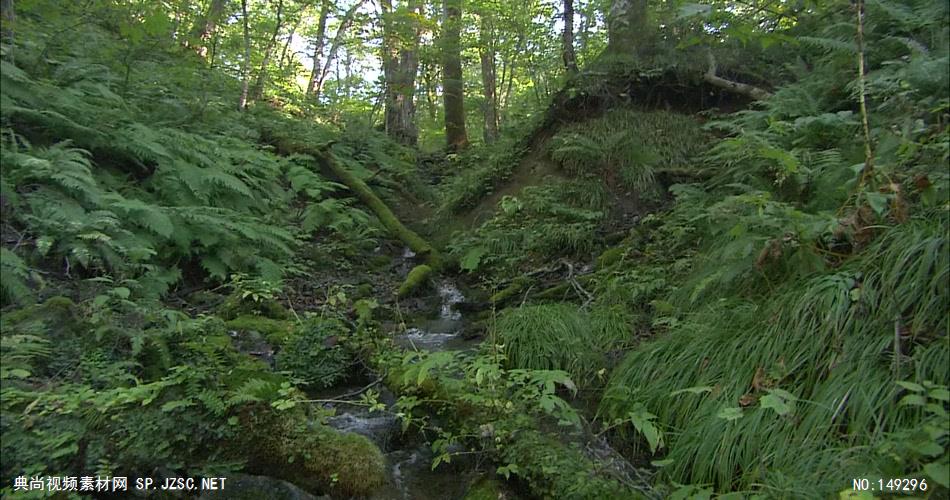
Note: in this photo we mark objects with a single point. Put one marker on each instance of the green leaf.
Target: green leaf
(642, 420)
(940, 394)
(730, 414)
(469, 262)
(911, 386)
(699, 389)
(939, 473)
(776, 403)
(877, 201)
(913, 400)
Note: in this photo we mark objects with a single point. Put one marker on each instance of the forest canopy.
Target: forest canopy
(475, 248)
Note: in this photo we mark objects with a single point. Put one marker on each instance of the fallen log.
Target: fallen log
(321, 153)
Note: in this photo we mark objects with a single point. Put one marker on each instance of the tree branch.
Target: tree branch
(737, 87)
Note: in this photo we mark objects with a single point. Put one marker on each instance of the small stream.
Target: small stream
(409, 459)
(410, 475)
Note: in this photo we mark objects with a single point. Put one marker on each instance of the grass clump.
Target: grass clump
(543, 222)
(559, 337)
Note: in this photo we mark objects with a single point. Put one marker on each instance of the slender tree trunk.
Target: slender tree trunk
(246, 63)
(268, 51)
(290, 38)
(567, 38)
(400, 54)
(428, 79)
(348, 73)
(519, 45)
(345, 23)
(206, 25)
(486, 54)
(453, 86)
(318, 47)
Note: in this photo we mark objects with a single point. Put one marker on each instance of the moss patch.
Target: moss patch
(235, 306)
(275, 331)
(486, 489)
(610, 257)
(417, 277)
(319, 460)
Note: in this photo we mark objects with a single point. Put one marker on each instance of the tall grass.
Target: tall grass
(829, 341)
(561, 337)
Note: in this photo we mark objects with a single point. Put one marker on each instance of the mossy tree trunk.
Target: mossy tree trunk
(452, 82)
(416, 243)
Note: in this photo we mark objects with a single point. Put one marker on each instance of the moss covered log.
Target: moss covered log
(416, 243)
(416, 279)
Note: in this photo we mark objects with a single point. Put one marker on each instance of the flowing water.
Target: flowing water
(410, 475)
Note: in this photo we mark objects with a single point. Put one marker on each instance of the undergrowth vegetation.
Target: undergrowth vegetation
(670, 301)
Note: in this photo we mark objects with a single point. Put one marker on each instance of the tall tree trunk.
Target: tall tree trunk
(567, 38)
(401, 61)
(205, 26)
(268, 51)
(627, 27)
(486, 54)
(318, 44)
(453, 87)
(246, 63)
(511, 76)
(429, 79)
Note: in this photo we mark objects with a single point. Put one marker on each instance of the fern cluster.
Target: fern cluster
(553, 219)
(98, 183)
(626, 147)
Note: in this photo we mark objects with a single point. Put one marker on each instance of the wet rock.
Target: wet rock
(378, 427)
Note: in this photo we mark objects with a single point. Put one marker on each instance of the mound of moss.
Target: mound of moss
(418, 277)
(318, 459)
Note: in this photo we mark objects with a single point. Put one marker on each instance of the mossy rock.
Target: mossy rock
(517, 285)
(235, 306)
(610, 257)
(275, 332)
(418, 278)
(320, 460)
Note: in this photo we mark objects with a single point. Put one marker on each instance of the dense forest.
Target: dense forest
(475, 249)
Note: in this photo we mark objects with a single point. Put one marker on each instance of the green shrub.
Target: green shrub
(316, 355)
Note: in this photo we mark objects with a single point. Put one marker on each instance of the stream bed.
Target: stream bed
(410, 475)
